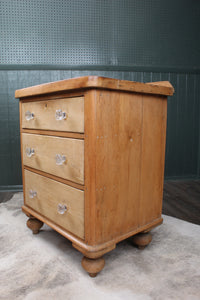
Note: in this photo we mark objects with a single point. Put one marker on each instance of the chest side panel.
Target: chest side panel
(152, 158)
(118, 163)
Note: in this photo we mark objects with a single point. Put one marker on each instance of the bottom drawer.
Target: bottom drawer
(60, 203)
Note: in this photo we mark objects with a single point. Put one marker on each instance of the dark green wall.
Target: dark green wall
(198, 97)
(126, 33)
(44, 41)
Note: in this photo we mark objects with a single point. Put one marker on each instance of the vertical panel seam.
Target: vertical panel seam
(141, 151)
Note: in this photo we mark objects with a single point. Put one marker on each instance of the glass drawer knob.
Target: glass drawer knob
(60, 115)
(30, 152)
(32, 194)
(60, 159)
(62, 208)
(28, 115)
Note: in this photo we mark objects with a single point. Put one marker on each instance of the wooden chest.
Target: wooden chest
(93, 152)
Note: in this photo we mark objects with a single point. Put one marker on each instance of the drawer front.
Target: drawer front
(60, 203)
(62, 114)
(62, 157)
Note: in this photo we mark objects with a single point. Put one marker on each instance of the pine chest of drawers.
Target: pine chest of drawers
(93, 152)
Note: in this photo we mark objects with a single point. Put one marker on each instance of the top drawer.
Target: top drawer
(65, 114)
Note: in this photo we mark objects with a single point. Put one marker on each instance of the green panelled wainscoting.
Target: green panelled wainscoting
(182, 148)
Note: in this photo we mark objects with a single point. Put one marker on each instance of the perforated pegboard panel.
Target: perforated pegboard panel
(100, 32)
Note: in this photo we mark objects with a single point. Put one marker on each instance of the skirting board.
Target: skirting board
(11, 188)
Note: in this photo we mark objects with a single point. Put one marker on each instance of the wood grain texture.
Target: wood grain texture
(90, 166)
(95, 252)
(93, 266)
(50, 193)
(59, 179)
(34, 225)
(161, 83)
(142, 239)
(118, 156)
(21, 145)
(46, 148)
(95, 82)
(152, 158)
(44, 114)
(92, 251)
(53, 96)
(127, 144)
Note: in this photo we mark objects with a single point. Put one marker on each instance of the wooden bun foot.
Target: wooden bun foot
(141, 240)
(93, 266)
(34, 225)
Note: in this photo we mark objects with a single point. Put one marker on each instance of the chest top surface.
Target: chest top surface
(88, 82)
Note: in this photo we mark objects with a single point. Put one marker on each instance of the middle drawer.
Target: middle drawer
(62, 157)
